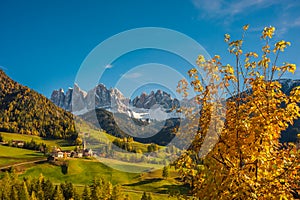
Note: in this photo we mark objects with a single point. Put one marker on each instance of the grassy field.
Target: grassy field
(82, 171)
(10, 155)
(103, 137)
(28, 138)
(130, 167)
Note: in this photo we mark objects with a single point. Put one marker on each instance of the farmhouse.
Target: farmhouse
(60, 154)
(18, 143)
(88, 152)
(79, 155)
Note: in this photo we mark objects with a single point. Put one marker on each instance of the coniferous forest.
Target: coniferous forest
(25, 111)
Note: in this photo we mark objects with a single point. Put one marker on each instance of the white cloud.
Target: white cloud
(287, 23)
(208, 5)
(221, 8)
(284, 16)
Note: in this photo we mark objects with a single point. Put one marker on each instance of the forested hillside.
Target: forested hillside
(107, 121)
(25, 111)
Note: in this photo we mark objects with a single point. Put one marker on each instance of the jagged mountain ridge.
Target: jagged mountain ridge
(112, 100)
(159, 97)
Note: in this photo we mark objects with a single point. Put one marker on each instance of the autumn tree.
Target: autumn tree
(236, 153)
(152, 148)
(78, 141)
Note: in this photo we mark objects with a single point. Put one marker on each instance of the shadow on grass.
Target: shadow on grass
(33, 154)
(10, 157)
(65, 143)
(147, 181)
(174, 189)
(60, 142)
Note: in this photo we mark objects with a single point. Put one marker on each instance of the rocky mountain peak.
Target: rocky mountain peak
(58, 97)
(159, 97)
(79, 101)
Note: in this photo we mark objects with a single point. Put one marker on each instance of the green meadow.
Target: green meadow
(82, 171)
(28, 138)
(10, 155)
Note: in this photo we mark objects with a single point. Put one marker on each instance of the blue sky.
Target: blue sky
(43, 43)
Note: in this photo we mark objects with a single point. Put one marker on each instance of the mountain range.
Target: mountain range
(25, 111)
(79, 102)
(113, 101)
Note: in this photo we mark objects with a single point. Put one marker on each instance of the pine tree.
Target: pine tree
(116, 193)
(97, 189)
(48, 189)
(40, 194)
(126, 197)
(146, 196)
(23, 193)
(76, 196)
(33, 196)
(85, 194)
(58, 194)
(14, 193)
(67, 190)
(165, 172)
(107, 190)
(6, 185)
(39, 185)
(149, 196)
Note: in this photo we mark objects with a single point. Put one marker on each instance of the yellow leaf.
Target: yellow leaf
(246, 27)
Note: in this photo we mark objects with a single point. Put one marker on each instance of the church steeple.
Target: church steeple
(84, 144)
